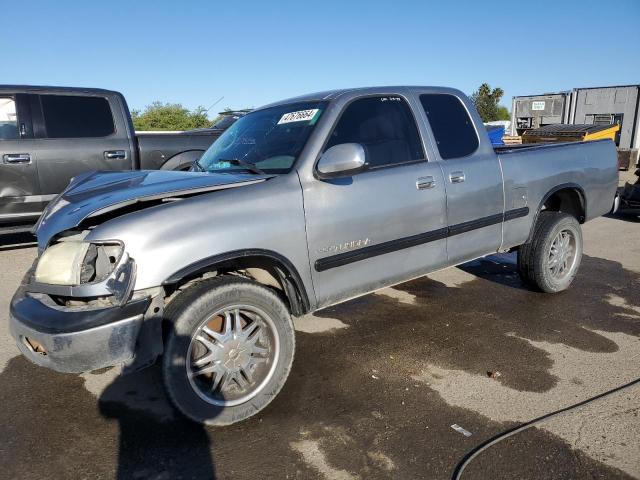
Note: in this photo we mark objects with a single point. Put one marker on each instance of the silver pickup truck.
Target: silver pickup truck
(299, 205)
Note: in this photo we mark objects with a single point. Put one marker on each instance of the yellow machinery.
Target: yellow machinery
(570, 133)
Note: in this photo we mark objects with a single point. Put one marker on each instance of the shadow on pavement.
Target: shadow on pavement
(52, 427)
(501, 269)
(632, 216)
(154, 441)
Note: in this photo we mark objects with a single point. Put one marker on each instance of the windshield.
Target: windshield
(225, 122)
(270, 139)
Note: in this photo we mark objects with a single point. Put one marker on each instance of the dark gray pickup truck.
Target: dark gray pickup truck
(48, 135)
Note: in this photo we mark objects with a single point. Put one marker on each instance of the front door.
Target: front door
(20, 199)
(77, 134)
(381, 226)
(475, 199)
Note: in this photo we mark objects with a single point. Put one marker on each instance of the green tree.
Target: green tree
(503, 113)
(169, 116)
(486, 101)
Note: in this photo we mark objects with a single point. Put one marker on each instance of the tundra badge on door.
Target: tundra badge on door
(341, 247)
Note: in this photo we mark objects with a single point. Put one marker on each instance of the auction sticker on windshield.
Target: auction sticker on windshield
(299, 116)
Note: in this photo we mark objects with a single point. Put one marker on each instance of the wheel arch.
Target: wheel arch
(255, 261)
(566, 197)
(181, 160)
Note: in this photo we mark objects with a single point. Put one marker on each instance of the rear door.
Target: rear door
(386, 224)
(78, 133)
(20, 199)
(472, 175)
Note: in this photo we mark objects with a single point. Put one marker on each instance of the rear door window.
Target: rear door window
(70, 116)
(452, 127)
(384, 126)
(8, 119)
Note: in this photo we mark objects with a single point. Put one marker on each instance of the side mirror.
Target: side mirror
(342, 160)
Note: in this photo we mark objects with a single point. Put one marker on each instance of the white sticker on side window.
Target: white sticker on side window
(299, 116)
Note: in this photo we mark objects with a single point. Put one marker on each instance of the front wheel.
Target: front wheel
(229, 351)
(551, 260)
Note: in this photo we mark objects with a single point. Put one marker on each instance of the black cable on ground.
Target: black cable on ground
(457, 473)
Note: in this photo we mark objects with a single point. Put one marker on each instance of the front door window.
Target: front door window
(8, 119)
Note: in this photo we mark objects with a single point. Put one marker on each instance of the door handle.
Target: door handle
(115, 154)
(13, 158)
(456, 177)
(424, 183)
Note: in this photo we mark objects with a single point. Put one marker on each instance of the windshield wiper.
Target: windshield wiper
(246, 165)
(199, 165)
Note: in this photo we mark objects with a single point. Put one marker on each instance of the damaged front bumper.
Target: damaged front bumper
(81, 338)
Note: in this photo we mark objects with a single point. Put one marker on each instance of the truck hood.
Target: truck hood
(96, 193)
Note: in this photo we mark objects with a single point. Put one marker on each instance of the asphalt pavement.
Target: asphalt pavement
(376, 386)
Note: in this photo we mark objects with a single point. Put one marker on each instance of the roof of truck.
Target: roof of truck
(333, 94)
(54, 89)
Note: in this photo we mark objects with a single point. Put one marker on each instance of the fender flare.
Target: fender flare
(557, 188)
(289, 276)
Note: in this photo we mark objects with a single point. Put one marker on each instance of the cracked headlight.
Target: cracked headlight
(77, 263)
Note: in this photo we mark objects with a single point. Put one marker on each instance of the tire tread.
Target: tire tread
(530, 254)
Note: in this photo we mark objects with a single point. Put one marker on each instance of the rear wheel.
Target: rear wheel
(551, 260)
(229, 351)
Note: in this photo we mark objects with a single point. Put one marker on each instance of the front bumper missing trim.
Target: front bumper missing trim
(80, 351)
(81, 339)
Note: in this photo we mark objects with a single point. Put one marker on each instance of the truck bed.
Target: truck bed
(531, 171)
(158, 148)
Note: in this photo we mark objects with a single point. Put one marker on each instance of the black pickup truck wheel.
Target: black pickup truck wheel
(550, 261)
(229, 351)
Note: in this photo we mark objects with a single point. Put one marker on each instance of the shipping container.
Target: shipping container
(607, 105)
(535, 111)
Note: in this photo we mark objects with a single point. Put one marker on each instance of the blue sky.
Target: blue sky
(252, 53)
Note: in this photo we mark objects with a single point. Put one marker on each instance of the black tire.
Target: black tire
(533, 257)
(188, 312)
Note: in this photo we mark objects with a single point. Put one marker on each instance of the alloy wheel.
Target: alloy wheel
(232, 355)
(562, 255)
